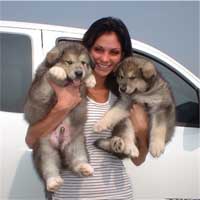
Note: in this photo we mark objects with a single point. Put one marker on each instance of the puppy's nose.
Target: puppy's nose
(78, 74)
(122, 89)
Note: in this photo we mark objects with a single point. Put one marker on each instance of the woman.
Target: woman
(108, 42)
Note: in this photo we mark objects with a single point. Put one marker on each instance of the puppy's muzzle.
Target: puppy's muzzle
(78, 74)
(122, 88)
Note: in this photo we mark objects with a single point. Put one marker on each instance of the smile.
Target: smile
(100, 66)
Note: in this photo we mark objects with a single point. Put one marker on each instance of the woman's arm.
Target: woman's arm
(140, 122)
(68, 97)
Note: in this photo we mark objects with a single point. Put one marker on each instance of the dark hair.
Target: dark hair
(109, 24)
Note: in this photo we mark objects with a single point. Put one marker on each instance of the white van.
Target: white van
(174, 175)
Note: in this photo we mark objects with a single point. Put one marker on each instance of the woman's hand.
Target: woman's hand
(67, 97)
(140, 121)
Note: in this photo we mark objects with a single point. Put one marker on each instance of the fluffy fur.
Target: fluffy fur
(67, 63)
(139, 82)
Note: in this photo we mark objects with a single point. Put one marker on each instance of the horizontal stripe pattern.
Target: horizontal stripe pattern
(110, 180)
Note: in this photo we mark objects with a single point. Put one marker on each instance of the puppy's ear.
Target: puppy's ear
(53, 55)
(56, 53)
(148, 70)
(92, 63)
(116, 69)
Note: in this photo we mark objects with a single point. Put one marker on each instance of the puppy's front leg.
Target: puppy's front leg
(57, 75)
(112, 117)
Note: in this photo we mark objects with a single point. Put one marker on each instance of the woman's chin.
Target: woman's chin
(102, 72)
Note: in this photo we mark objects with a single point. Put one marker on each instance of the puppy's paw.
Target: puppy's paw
(101, 125)
(157, 147)
(84, 169)
(90, 81)
(57, 73)
(103, 143)
(54, 183)
(117, 144)
(131, 150)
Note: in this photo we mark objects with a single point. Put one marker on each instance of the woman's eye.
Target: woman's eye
(132, 77)
(69, 62)
(115, 53)
(98, 49)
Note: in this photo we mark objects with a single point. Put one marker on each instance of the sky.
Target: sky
(170, 26)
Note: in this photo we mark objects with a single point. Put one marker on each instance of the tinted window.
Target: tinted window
(185, 94)
(15, 71)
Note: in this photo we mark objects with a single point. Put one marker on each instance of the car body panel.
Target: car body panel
(173, 175)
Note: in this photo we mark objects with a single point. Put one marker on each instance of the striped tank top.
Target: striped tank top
(110, 180)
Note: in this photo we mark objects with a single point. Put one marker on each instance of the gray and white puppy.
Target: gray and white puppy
(139, 82)
(67, 63)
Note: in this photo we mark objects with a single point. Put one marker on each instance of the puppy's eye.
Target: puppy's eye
(69, 62)
(83, 62)
(132, 77)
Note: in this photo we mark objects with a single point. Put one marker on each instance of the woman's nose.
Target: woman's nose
(105, 57)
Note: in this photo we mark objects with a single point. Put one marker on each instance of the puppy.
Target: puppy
(67, 63)
(139, 82)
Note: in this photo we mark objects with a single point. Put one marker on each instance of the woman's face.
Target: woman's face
(106, 53)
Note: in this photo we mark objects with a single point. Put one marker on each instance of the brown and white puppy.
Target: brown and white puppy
(139, 82)
(67, 63)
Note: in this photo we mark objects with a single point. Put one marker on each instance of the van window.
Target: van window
(185, 94)
(15, 71)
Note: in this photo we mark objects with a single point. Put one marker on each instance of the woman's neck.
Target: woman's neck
(99, 93)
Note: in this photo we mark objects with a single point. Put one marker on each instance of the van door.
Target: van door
(21, 52)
